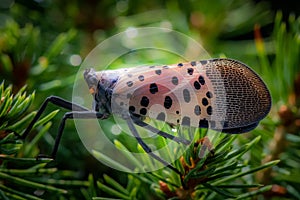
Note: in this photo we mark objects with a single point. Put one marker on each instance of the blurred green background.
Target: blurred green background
(43, 42)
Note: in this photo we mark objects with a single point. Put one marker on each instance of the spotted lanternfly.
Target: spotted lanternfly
(220, 94)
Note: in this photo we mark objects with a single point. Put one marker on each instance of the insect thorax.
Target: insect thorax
(101, 85)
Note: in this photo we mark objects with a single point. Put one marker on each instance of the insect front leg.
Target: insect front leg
(79, 112)
(56, 101)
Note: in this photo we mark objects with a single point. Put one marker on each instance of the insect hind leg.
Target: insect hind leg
(147, 149)
(140, 123)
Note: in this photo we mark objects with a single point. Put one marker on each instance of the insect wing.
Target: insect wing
(221, 94)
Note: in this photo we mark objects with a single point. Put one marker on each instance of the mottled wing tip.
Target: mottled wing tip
(247, 97)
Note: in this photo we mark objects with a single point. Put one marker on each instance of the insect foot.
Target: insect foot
(193, 164)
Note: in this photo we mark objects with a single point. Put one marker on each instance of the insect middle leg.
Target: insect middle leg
(73, 115)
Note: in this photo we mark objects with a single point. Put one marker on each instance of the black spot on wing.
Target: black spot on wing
(209, 94)
(197, 110)
(168, 102)
(131, 109)
(209, 110)
(197, 85)
(175, 80)
(143, 111)
(141, 78)
(144, 101)
(186, 95)
(204, 101)
(190, 71)
(129, 83)
(201, 80)
(158, 72)
(153, 88)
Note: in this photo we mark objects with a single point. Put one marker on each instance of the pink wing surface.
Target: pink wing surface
(221, 94)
